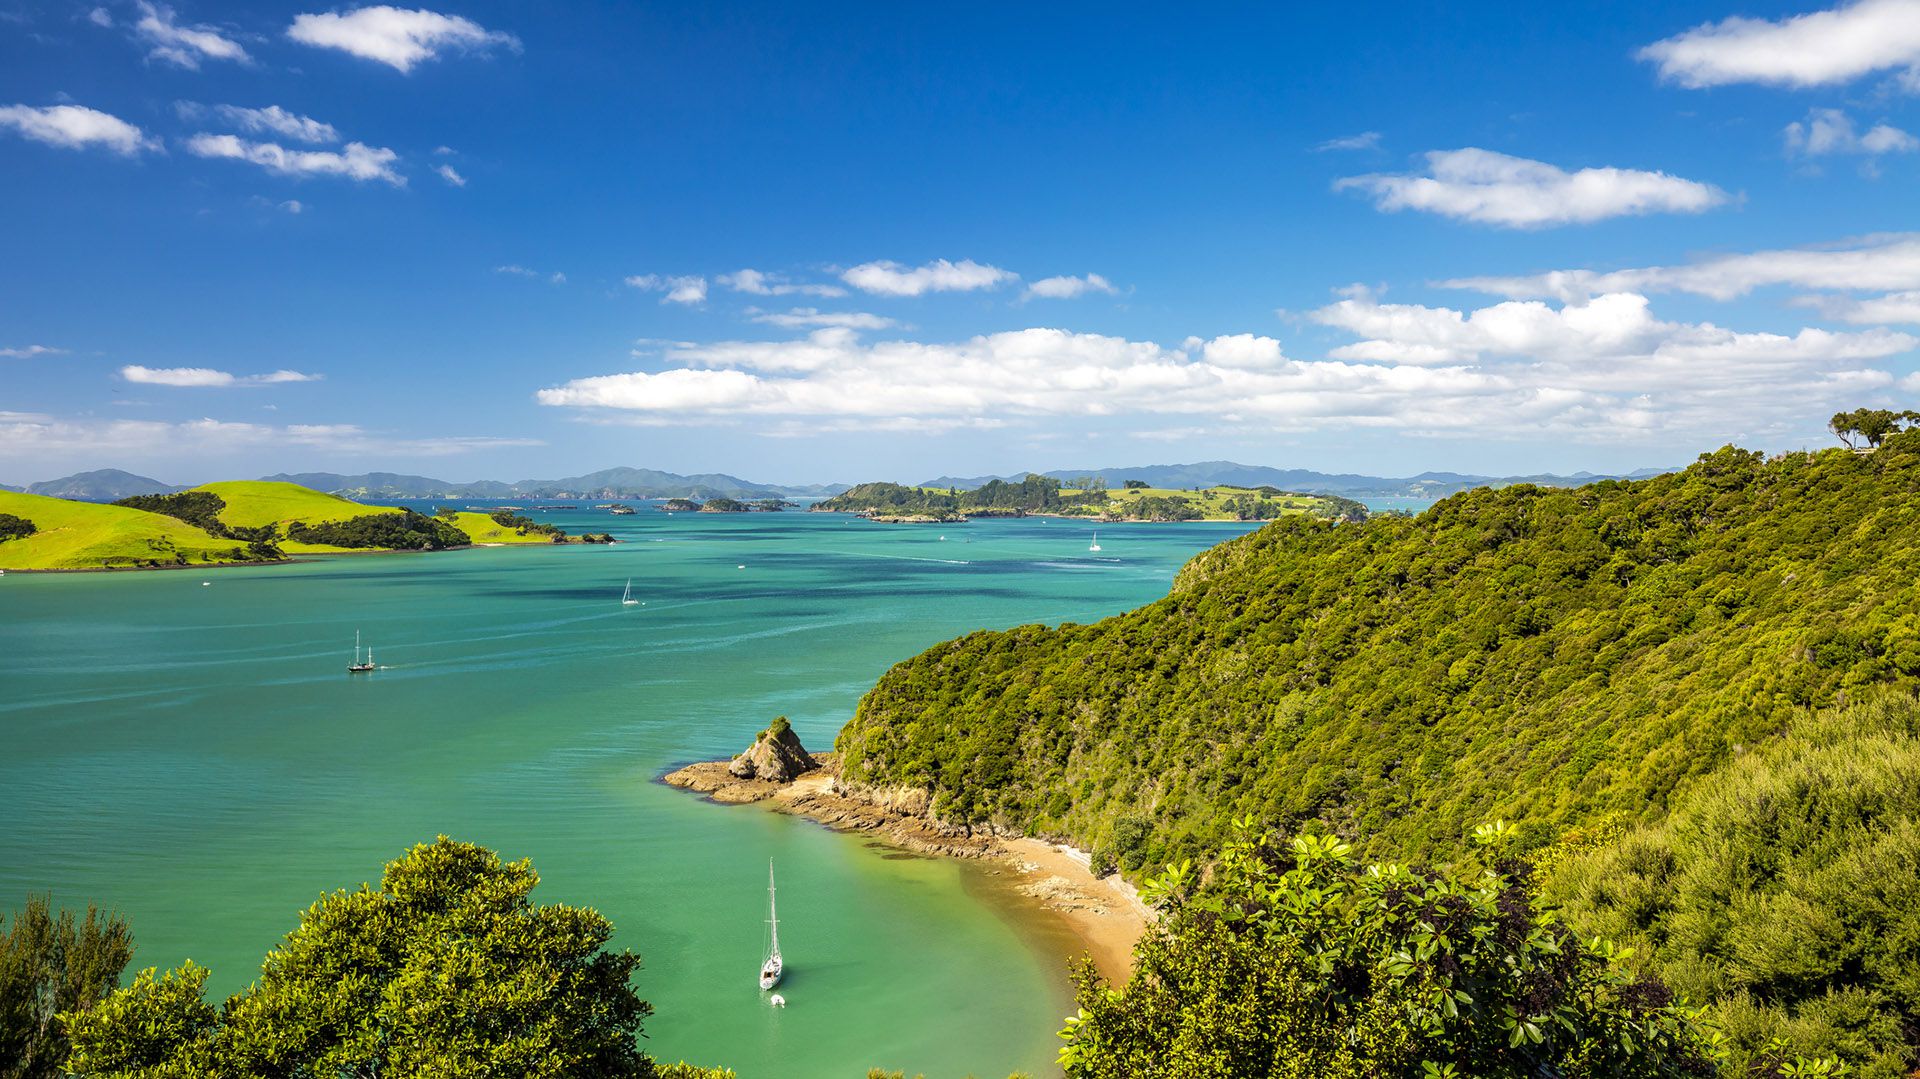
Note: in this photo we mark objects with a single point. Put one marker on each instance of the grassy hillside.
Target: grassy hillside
(86, 535)
(251, 503)
(1544, 655)
(484, 529)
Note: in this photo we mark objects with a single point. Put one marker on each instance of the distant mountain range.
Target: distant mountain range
(1346, 485)
(103, 485)
(110, 484)
(608, 483)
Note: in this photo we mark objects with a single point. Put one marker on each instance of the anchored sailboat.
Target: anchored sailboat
(770, 970)
(357, 667)
(626, 598)
(1096, 541)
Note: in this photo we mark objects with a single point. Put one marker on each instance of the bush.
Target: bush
(51, 964)
(12, 527)
(1786, 889)
(446, 969)
(1293, 960)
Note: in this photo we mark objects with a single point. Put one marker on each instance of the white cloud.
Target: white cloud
(755, 283)
(1884, 263)
(1514, 192)
(1822, 48)
(272, 120)
(448, 174)
(293, 206)
(516, 270)
(688, 290)
(1894, 307)
(1600, 371)
(100, 17)
(397, 37)
(1066, 287)
(207, 377)
(1366, 140)
(30, 351)
(1831, 131)
(356, 161)
(183, 46)
(38, 438)
(75, 127)
(892, 279)
(807, 317)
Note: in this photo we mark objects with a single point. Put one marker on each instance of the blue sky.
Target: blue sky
(507, 240)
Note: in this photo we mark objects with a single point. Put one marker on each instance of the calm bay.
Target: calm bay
(196, 756)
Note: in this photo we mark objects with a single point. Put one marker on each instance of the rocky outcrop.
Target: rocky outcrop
(776, 756)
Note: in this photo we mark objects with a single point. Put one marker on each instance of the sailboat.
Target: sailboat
(770, 970)
(626, 598)
(357, 667)
(1096, 541)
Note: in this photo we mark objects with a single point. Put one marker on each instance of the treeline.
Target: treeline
(1543, 655)
(403, 531)
(202, 509)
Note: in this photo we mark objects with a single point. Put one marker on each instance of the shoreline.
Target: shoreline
(302, 557)
(1104, 914)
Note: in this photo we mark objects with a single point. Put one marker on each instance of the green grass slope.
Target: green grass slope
(484, 529)
(252, 503)
(86, 535)
(1545, 655)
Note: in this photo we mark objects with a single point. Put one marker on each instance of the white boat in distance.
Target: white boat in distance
(1096, 541)
(626, 598)
(771, 969)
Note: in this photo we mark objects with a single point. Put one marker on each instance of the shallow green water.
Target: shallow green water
(197, 757)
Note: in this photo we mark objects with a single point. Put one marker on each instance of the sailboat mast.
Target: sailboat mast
(773, 911)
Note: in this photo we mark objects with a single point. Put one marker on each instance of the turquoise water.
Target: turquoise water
(197, 757)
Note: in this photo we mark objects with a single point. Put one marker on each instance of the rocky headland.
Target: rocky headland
(776, 771)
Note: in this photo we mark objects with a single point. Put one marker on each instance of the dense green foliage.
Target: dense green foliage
(201, 509)
(403, 531)
(12, 527)
(1785, 889)
(1543, 655)
(51, 964)
(724, 505)
(1293, 960)
(447, 969)
(1034, 494)
(527, 526)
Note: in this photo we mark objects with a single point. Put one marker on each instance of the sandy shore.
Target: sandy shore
(1103, 913)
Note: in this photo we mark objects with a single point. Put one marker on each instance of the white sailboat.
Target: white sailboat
(771, 969)
(357, 667)
(1096, 541)
(626, 598)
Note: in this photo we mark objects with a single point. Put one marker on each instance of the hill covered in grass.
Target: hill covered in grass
(1551, 656)
(236, 521)
(88, 535)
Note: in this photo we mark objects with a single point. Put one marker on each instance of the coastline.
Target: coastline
(304, 556)
(1103, 914)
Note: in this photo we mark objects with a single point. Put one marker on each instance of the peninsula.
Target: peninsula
(240, 521)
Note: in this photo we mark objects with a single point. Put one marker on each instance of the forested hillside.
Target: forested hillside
(1549, 656)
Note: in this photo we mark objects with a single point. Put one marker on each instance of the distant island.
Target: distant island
(1202, 474)
(237, 522)
(1133, 500)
